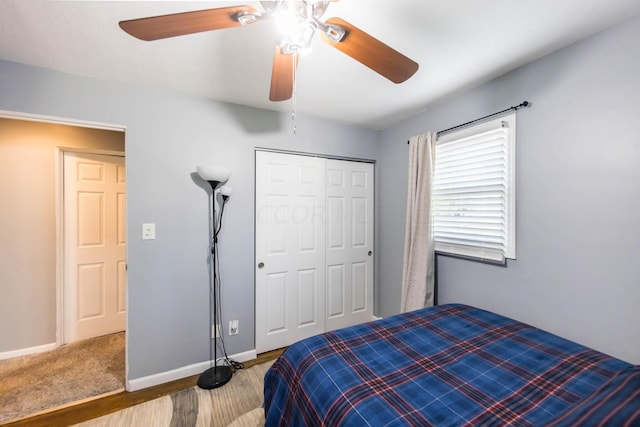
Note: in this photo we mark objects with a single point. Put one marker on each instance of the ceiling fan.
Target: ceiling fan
(301, 19)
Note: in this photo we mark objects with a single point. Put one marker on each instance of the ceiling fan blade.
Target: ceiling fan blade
(282, 75)
(179, 24)
(371, 52)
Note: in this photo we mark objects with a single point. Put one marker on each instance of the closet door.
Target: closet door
(290, 249)
(349, 252)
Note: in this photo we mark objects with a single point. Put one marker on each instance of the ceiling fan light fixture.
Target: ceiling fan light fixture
(288, 22)
(299, 42)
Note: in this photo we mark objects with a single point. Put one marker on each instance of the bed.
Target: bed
(450, 365)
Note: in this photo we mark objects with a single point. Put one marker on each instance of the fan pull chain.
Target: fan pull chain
(293, 74)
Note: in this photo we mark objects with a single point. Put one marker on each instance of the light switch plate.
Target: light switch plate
(148, 231)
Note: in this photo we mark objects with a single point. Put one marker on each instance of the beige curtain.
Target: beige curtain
(417, 271)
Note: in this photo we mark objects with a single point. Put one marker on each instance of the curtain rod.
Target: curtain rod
(514, 108)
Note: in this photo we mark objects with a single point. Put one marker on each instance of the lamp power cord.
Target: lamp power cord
(234, 365)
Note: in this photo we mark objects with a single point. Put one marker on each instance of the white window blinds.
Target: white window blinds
(473, 195)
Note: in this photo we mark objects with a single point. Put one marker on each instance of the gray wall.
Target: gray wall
(167, 135)
(577, 271)
(578, 157)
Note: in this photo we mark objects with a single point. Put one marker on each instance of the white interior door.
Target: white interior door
(94, 245)
(290, 249)
(349, 252)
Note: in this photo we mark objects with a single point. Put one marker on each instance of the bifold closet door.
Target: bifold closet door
(290, 249)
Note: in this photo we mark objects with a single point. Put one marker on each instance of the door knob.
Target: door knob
(260, 264)
(370, 253)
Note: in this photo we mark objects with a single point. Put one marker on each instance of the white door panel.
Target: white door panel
(290, 244)
(94, 245)
(350, 248)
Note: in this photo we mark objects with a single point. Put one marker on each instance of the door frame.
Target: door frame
(59, 223)
(60, 234)
(308, 154)
(323, 156)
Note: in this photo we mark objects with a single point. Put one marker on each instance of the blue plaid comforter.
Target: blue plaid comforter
(451, 365)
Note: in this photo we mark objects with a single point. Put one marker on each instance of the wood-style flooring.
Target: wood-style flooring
(102, 406)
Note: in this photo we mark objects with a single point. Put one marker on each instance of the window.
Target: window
(473, 195)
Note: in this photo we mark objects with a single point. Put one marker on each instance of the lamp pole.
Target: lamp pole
(216, 376)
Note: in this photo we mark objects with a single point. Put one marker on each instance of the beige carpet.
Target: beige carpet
(236, 404)
(74, 372)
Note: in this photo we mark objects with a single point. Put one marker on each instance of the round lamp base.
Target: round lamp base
(214, 377)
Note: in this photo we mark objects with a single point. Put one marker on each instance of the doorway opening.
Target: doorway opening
(34, 267)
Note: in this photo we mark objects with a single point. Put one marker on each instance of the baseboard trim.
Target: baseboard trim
(28, 351)
(183, 372)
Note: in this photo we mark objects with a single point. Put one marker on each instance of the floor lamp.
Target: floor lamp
(215, 376)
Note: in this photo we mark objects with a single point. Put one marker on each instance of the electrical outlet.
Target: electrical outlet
(233, 327)
(215, 332)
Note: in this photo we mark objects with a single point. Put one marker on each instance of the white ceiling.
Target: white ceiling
(458, 44)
